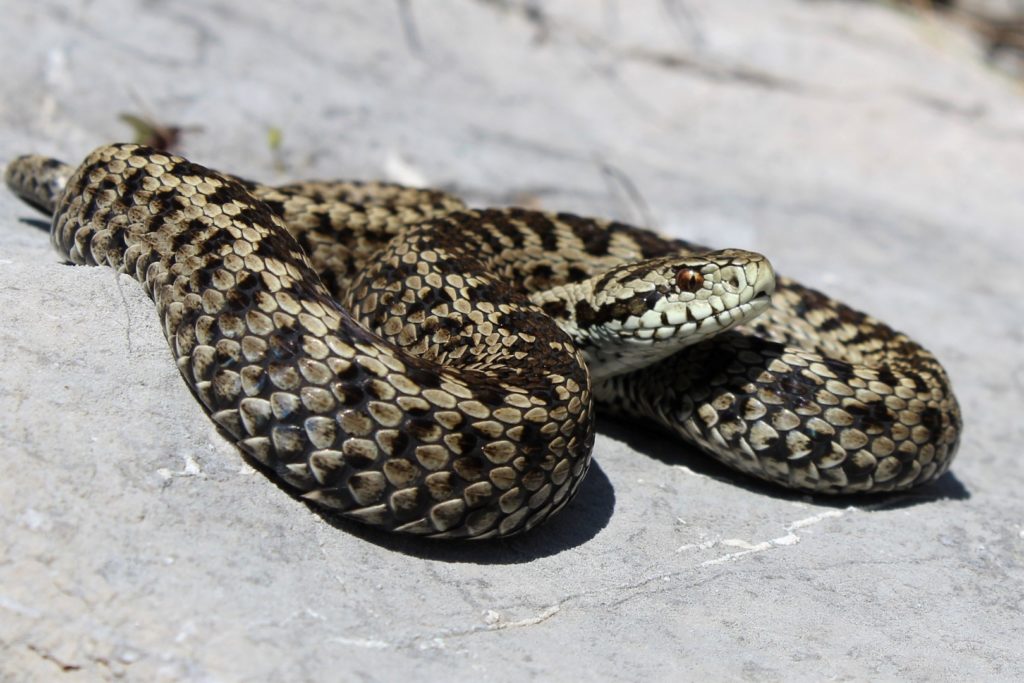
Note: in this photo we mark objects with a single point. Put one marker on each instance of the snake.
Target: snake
(406, 361)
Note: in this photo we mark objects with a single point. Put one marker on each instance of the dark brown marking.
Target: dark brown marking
(556, 309)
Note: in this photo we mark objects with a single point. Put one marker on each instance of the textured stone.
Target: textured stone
(868, 152)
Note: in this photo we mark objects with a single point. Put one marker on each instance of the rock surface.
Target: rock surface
(868, 151)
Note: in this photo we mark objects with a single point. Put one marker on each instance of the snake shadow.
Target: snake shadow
(580, 521)
(669, 450)
(37, 223)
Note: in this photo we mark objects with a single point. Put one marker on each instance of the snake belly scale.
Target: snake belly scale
(422, 367)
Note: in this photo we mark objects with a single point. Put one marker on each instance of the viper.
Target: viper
(434, 369)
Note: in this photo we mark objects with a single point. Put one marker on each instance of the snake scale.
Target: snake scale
(423, 367)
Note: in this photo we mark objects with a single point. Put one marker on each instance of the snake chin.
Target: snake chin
(644, 347)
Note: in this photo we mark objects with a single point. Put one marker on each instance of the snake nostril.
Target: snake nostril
(689, 280)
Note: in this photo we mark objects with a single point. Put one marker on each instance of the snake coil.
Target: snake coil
(447, 394)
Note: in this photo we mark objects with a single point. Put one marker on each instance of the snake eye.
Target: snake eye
(689, 280)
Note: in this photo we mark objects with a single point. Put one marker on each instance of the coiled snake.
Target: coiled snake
(423, 367)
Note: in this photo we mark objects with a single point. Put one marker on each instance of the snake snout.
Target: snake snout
(764, 281)
(745, 273)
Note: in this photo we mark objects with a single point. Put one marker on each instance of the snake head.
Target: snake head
(638, 313)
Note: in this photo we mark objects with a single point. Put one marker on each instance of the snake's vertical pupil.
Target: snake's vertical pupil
(689, 280)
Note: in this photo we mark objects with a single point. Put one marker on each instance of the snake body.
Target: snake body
(422, 367)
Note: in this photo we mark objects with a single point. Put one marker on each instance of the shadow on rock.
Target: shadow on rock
(576, 524)
(581, 520)
(672, 451)
(38, 223)
(946, 487)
